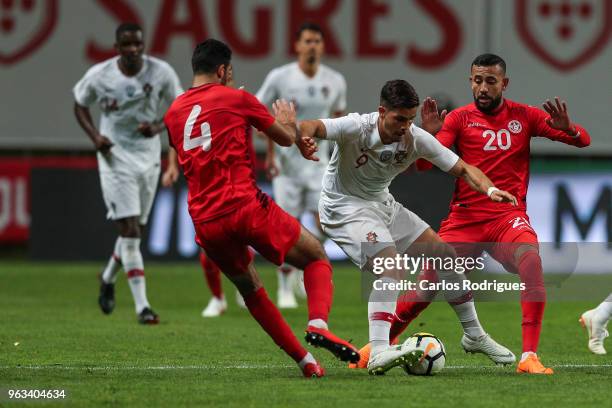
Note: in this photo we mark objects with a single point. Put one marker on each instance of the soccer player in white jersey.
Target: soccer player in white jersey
(317, 91)
(595, 321)
(129, 90)
(356, 206)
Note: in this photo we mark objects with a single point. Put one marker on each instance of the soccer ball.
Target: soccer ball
(434, 355)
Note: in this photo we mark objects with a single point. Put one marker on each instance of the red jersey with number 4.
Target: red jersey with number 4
(498, 144)
(208, 128)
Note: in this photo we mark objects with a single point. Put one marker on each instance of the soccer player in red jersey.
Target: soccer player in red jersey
(494, 134)
(207, 127)
(212, 274)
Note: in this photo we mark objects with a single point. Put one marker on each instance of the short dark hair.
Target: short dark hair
(398, 94)
(308, 26)
(126, 27)
(209, 55)
(489, 60)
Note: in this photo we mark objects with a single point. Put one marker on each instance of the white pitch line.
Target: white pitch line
(247, 367)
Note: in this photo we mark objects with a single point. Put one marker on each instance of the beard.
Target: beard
(493, 104)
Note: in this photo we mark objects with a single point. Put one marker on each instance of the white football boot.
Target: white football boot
(216, 307)
(393, 356)
(596, 330)
(489, 347)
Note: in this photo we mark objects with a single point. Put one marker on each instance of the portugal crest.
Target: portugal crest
(564, 34)
(25, 26)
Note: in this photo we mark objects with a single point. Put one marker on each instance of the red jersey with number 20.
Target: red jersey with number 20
(498, 144)
(208, 128)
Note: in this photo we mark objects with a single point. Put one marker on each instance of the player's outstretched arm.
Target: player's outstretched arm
(101, 142)
(284, 129)
(478, 181)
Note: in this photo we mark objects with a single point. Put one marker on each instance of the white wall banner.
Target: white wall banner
(552, 48)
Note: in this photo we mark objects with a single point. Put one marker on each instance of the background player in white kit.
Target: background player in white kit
(317, 91)
(129, 90)
(356, 206)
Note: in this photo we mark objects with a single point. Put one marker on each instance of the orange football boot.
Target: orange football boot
(532, 365)
(364, 355)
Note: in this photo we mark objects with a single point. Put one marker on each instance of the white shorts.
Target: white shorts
(297, 195)
(128, 193)
(364, 228)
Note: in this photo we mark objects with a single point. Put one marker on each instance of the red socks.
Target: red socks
(319, 289)
(270, 319)
(409, 306)
(212, 275)
(533, 299)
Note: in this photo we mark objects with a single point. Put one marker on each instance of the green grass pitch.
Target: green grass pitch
(53, 336)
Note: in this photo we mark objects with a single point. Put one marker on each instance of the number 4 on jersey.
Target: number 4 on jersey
(204, 140)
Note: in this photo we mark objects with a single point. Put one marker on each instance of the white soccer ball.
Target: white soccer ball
(434, 354)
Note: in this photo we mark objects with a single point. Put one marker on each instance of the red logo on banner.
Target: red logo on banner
(24, 26)
(562, 33)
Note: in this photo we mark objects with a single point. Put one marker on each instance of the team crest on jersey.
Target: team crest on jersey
(130, 90)
(386, 155)
(325, 91)
(311, 91)
(147, 89)
(401, 156)
(515, 126)
(372, 237)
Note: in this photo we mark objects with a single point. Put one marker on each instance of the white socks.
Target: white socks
(308, 358)
(527, 354)
(285, 279)
(381, 307)
(318, 323)
(109, 275)
(134, 268)
(603, 312)
(466, 312)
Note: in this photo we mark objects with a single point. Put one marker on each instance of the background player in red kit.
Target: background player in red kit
(494, 134)
(207, 127)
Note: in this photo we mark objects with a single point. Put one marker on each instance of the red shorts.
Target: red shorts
(498, 235)
(261, 224)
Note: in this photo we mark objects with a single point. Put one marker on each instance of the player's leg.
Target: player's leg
(595, 321)
(136, 206)
(279, 237)
(108, 278)
(288, 193)
(122, 195)
(133, 265)
(360, 230)
(433, 246)
(517, 250)
(236, 262)
(414, 302)
(212, 274)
